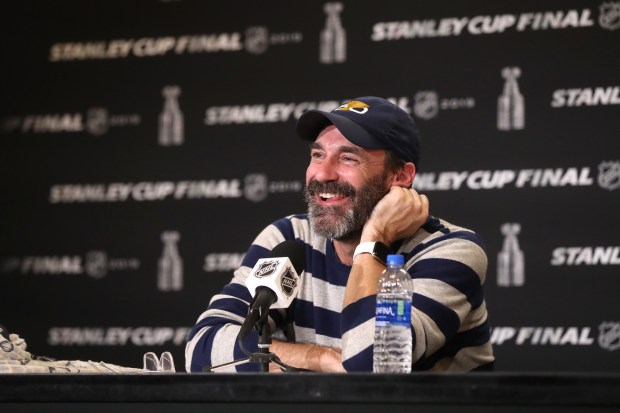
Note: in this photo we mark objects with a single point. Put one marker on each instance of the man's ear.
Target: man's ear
(404, 176)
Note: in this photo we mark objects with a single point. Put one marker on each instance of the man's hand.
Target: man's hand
(398, 215)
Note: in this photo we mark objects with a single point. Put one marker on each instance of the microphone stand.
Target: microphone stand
(264, 342)
(263, 357)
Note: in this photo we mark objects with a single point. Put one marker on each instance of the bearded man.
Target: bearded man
(361, 207)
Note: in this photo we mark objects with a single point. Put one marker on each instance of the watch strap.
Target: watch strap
(377, 249)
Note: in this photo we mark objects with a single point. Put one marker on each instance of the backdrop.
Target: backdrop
(144, 145)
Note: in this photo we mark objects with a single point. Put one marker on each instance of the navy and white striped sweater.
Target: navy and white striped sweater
(449, 317)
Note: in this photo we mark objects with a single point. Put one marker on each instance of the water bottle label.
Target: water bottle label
(393, 312)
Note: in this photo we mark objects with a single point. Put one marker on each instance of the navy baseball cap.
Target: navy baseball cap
(369, 122)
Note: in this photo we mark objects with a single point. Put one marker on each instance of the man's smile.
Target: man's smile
(330, 198)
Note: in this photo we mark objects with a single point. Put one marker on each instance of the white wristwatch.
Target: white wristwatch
(377, 249)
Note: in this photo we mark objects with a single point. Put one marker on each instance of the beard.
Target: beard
(344, 222)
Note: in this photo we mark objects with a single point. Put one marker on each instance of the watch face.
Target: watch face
(381, 251)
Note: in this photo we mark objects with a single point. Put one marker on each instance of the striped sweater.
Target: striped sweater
(449, 317)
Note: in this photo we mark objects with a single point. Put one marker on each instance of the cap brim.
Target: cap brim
(311, 123)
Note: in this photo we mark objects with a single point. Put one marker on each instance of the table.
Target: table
(311, 392)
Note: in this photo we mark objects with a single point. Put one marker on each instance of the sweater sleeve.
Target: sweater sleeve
(357, 325)
(213, 340)
(447, 305)
(448, 308)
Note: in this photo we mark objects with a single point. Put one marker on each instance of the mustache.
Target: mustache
(315, 187)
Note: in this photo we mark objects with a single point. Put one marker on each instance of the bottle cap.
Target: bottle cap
(395, 259)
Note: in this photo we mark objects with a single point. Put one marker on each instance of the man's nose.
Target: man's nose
(326, 171)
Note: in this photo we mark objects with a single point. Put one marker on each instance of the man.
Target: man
(361, 207)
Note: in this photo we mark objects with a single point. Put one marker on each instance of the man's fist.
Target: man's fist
(400, 213)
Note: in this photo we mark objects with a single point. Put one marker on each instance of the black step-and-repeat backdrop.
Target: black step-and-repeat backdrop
(144, 144)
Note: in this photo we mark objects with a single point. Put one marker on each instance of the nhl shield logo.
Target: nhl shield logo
(609, 335)
(609, 175)
(266, 268)
(97, 121)
(288, 282)
(256, 187)
(96, 264)
(426, 104)
(609, 15)
(256, 39)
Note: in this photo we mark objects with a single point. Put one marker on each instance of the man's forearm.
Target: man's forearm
(363, 278)
(308, 356)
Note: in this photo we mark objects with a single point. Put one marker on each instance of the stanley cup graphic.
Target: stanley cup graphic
(170, 265)
(510, 260)
(510, 105)
(171, 118)
(333, 36)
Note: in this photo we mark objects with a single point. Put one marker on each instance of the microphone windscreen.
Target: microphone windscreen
(293, 250)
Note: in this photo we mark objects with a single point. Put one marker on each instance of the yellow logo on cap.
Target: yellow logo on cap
(354, 106)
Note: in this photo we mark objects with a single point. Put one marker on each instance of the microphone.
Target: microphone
(274, 282)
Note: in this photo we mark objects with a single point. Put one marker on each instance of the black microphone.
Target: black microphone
(274, 282)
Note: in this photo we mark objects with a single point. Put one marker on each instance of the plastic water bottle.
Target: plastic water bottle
(392, 347)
